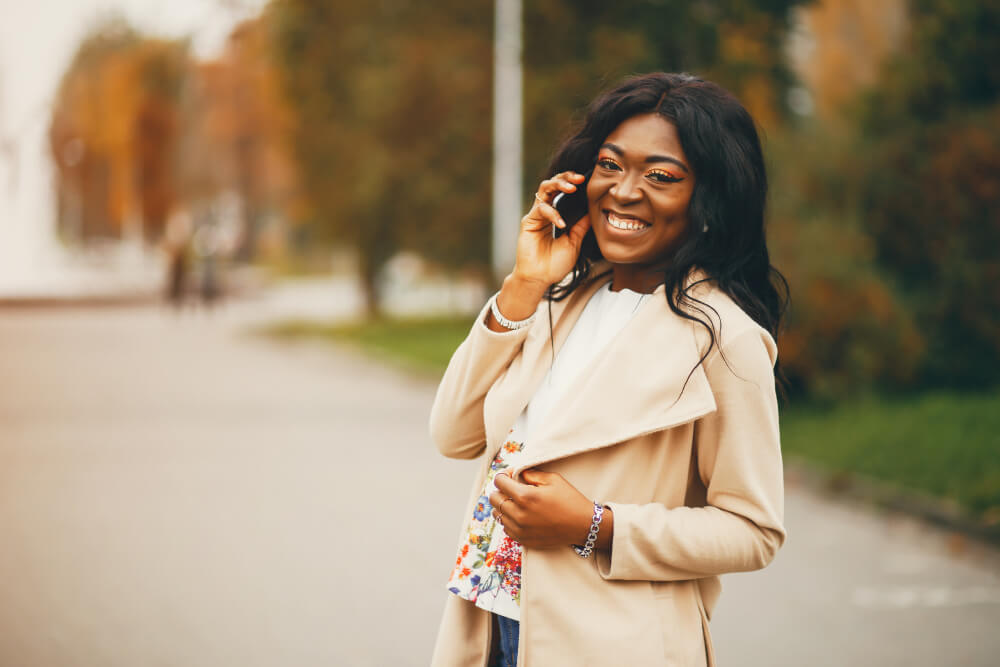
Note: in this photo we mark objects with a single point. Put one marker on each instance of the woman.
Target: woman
(621, 386)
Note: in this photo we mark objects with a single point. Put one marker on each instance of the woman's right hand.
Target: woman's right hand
(541, 260)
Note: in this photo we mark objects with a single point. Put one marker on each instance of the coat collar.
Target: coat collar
(633, 387)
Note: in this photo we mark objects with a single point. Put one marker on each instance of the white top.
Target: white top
(488, 568)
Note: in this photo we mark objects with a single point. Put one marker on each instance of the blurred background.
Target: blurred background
(239, 240)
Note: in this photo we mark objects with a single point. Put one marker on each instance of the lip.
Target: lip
(623, 232)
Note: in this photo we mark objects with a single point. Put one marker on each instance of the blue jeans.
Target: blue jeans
(509, 632)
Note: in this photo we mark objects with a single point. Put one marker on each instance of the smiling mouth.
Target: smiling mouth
(625, 223)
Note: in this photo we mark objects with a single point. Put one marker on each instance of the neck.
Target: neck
(638, 278)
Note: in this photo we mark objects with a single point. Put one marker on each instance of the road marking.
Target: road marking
(902, 597)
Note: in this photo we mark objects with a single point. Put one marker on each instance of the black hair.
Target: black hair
(725, 238)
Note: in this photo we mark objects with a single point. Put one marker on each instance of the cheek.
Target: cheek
(675, 206)
(593, 192)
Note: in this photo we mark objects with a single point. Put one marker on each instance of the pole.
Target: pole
(507, 104)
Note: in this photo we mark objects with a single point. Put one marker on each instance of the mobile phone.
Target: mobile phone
(572, 206)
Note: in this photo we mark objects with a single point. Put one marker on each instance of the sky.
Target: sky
(38, 38)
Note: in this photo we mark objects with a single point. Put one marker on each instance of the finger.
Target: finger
(563, 182)
(551, 215)
(497, 498)
(511, 527)
(545, 214)
(573, 176)
(506, 511)
(579, 230)
(508, 486)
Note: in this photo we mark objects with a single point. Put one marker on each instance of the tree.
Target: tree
(931, 187)
(393, 126)
(393, 100)
(237, 121)
(576, 48)
(114, 131)
(841, 47)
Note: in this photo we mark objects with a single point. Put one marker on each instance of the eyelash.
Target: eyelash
(661, 175)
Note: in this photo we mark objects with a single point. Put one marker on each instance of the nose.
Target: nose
(626, 190)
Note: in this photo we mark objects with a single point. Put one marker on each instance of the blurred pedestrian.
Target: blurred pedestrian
(176, 242)
(207, 247)
(621, 386)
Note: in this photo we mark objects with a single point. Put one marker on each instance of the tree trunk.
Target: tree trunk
(367, 276)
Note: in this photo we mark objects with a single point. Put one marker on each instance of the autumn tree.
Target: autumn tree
(236, 124)
(114, 132)
(840, 46)
(931, 188)
(393, 125)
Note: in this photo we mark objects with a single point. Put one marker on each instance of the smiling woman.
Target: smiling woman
(638, 206)
(639, 423)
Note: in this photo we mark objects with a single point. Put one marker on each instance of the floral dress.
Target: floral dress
(487, 570)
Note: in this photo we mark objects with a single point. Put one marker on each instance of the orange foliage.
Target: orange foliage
(238, 124)
(113, 131)
(139, 129)
(842, 45)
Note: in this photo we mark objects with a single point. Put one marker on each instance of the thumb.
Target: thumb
(537, 477)
(579, 230)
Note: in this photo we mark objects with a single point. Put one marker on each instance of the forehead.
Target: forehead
(647, 134)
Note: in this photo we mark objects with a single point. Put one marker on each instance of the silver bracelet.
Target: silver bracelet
(504, 322)
(588, 547)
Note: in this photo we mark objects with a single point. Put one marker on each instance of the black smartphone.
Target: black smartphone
(572, 206)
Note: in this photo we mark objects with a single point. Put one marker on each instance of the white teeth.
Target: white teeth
(619, 223)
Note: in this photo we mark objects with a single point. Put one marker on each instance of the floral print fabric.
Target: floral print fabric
(487, 571)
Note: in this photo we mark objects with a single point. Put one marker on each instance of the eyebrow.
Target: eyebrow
(617, 150)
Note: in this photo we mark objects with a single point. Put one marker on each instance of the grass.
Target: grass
(943, 444)
(423, 345)
(946, 445)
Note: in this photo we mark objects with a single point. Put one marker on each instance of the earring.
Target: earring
(705, 228)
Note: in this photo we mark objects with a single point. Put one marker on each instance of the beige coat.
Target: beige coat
(695, 484)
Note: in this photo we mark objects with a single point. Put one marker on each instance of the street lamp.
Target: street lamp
(507, 95)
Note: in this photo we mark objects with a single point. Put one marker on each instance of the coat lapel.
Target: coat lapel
(510, 396)
(633, 387)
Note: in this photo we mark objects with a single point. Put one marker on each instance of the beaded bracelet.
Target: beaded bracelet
(504, 322)
(588, 547)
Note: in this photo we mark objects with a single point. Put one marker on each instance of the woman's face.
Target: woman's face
(639, 193)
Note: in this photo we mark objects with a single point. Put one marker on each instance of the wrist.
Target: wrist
(606, 536)
(524, 287)
(517, 300)
(591, 543)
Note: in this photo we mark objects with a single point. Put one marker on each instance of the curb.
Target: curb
(85, 301)
(933, 510)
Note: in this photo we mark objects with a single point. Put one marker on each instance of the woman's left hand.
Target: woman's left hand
(544, 511)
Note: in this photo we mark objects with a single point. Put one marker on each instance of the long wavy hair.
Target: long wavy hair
(726, 236)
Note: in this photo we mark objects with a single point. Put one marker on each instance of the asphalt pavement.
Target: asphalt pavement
(174, 491)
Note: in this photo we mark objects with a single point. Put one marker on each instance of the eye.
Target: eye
(662, 176)
(608, 163)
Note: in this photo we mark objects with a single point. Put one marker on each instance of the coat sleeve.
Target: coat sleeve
(456, 421)
(739, 460)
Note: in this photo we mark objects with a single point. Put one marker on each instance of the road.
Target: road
(176, 492)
